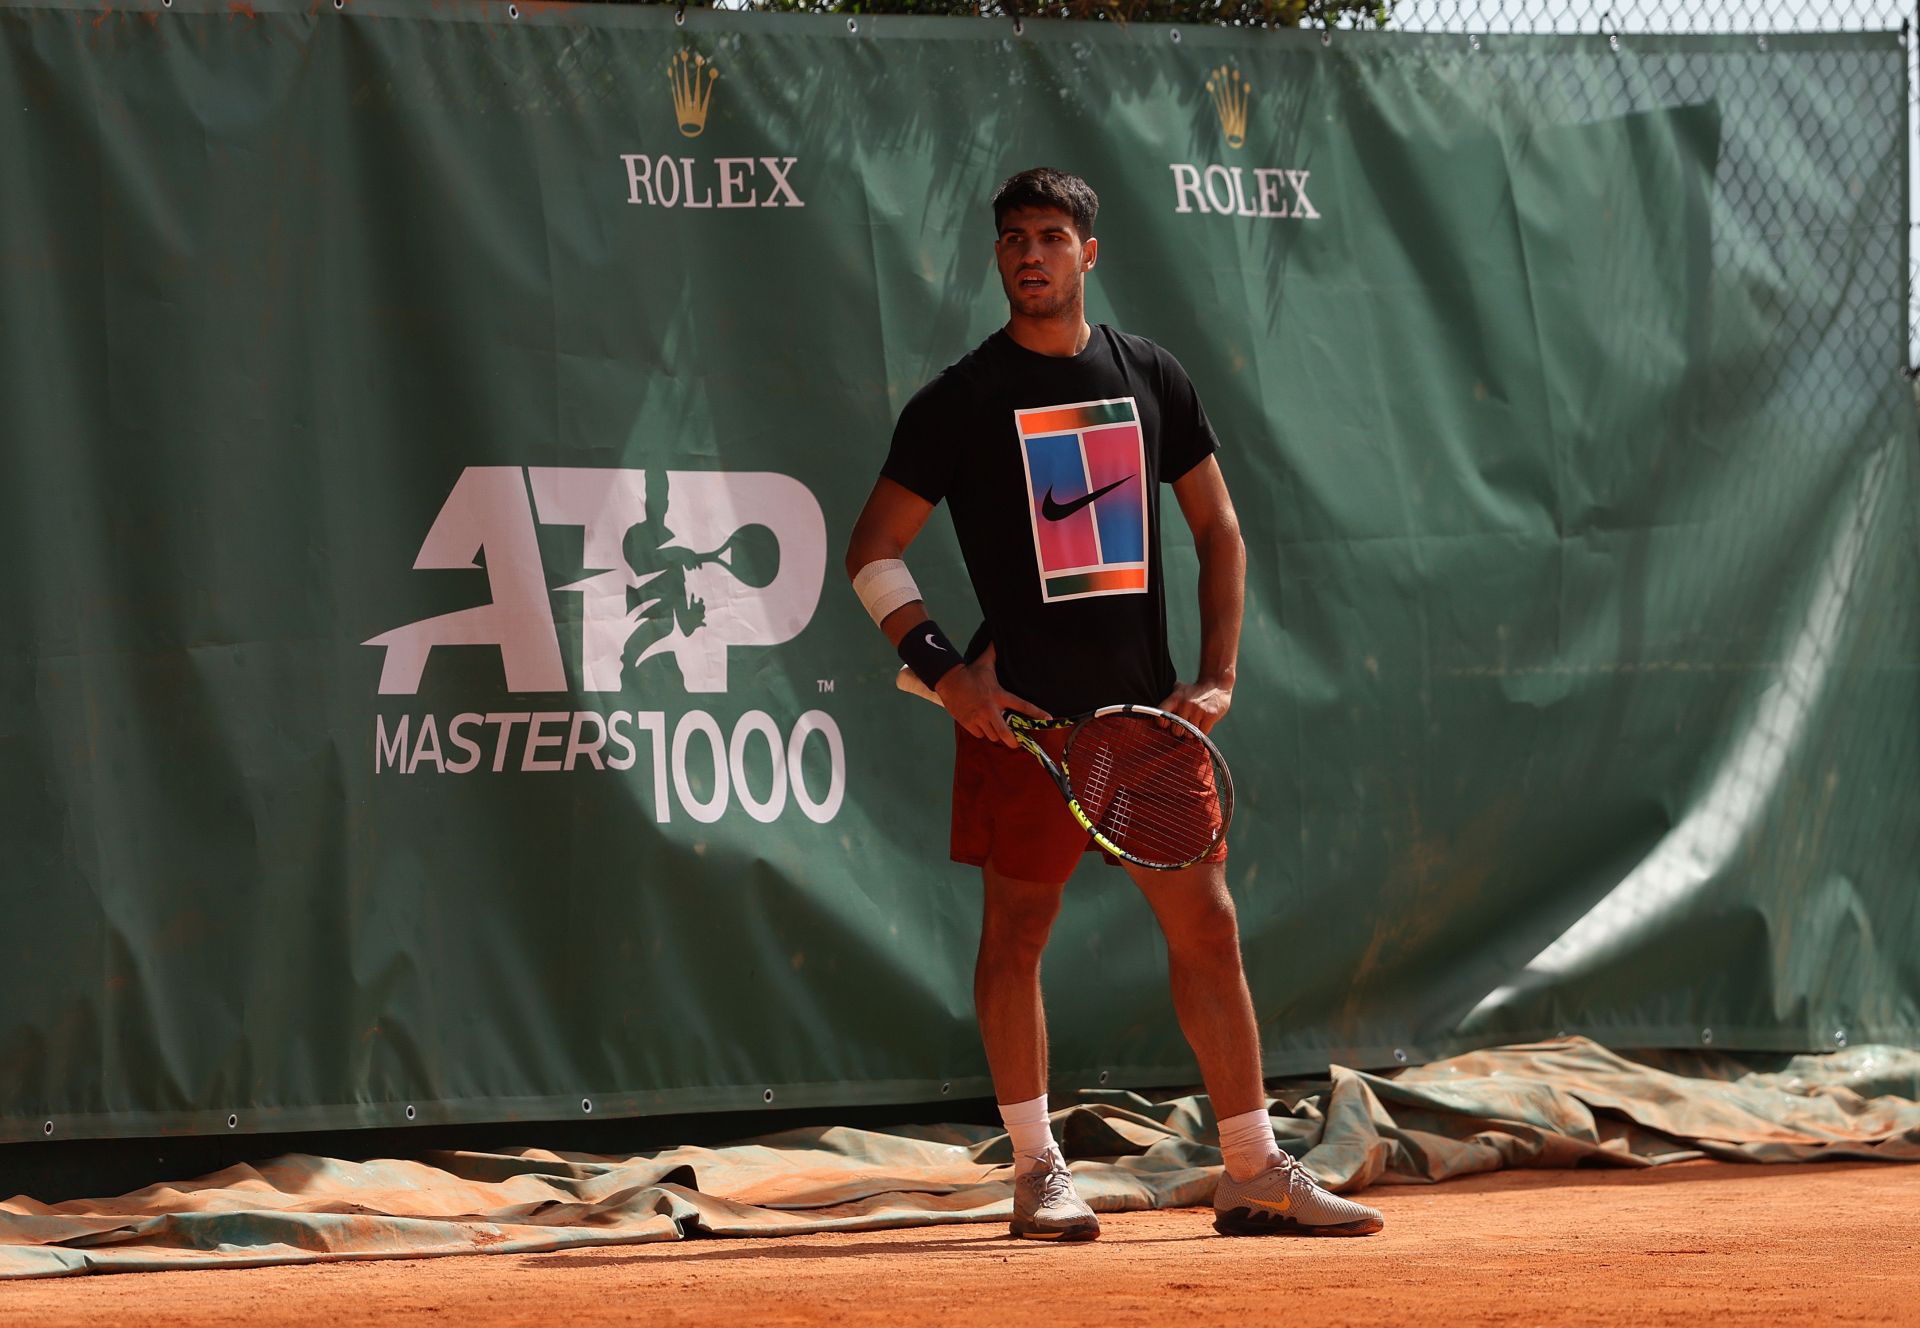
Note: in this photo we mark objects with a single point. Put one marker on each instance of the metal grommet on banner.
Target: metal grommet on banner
(853, 25)
(767, 1096)
(339, 4)
(1400, 1055)
(233, 1122)
(1174, 36)
(1326, 36)
(1706, 1037)
(1839, 1037)
(680, 14)
(47, 1128)
(513, 12)
(945, 1089)
(1103, 1076)
(586, 1106)
(1473, 43)
(1762, 42)
(410, 1111)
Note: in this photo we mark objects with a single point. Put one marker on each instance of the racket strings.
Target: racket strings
(1148, 787)
(1130, 821)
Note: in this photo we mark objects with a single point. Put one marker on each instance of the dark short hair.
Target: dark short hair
(1044, 187)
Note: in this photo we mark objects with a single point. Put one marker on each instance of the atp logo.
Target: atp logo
(688, 564)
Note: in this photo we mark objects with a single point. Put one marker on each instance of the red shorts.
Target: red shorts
(1007, 812)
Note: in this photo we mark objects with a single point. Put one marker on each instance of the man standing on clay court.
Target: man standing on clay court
(1066, 644)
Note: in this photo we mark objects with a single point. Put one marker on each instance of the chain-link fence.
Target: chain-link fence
(1758, 19)
(1650, 16)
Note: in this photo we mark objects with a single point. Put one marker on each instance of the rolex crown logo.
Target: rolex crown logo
(692, 79)
(1230, 92)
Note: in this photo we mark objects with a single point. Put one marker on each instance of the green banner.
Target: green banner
(429, 691)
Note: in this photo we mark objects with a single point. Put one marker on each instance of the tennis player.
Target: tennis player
(1049, 442)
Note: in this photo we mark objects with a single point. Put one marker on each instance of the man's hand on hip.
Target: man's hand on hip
(1202, 704)
(973, 695)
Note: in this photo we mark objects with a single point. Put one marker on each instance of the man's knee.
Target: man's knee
(1202, 926)
(1017, 918)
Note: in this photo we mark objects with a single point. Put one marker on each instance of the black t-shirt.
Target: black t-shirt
(1051, 467)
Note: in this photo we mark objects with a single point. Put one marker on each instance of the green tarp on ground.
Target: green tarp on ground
(1560, 1104)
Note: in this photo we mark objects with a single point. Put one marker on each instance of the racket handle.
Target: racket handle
(909, 682)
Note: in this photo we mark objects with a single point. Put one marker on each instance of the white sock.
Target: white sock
(1247, 1144)
(1032, 1136)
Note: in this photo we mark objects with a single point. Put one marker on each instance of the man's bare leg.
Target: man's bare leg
(1210, 996)
(1263, 1192)
(1017, 917)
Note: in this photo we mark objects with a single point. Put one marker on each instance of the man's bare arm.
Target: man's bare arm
(887, 526)
(1204, 501)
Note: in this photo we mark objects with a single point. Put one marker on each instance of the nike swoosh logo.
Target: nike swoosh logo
(1268, 1204)
(1053, 511)
(931, 640)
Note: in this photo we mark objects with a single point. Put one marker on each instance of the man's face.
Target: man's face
(1043, 262)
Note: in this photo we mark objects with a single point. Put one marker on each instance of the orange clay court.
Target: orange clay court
(1692, 1243)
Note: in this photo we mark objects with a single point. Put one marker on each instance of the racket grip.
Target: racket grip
(909, 682)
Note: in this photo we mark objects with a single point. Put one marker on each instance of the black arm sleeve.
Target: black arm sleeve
(1186, 434)
(922, 455)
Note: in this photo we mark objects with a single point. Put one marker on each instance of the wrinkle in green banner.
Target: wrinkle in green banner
(428, 694)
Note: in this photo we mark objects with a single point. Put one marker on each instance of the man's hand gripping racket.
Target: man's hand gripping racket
(1149, 786)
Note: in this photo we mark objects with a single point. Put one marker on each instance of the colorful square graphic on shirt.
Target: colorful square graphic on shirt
(1087, 497)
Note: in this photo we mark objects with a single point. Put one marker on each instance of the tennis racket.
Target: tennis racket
(1150, 787)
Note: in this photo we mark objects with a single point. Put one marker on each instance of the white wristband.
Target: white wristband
(883, 585)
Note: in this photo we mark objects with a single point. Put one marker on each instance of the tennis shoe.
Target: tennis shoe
(1285, 1200)
(1047, 1207)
